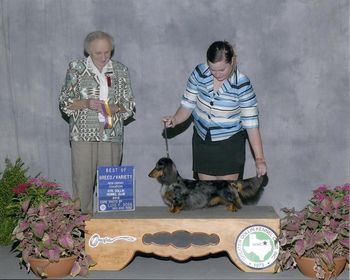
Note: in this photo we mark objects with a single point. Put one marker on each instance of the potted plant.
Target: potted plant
(319, 231)
(50, 227)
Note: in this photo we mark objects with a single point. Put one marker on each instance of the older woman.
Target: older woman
(97, 98)
(224, 108)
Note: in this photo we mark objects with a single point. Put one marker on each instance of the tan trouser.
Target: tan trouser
(86, 156)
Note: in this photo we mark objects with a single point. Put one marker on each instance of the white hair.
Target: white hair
(92, 36)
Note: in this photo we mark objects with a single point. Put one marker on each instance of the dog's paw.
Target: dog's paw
(175, 209)
(214, 201)
(231, 207)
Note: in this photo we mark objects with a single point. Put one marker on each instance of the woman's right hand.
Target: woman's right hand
(169, 121)
(94, 104)
(180, 116)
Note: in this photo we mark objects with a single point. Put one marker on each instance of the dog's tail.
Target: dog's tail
(250, 190)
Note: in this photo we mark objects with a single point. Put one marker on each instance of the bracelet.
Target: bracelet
(260, 159)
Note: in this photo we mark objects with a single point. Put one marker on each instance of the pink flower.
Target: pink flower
(42, 182)
(66, 195)
(320, 193)
(346, 187)
(337, 203)
(34, 181)
(49, 185)
(21, 188)
(58, 192)
(326, 206)
(23, 225)
(320, 196)
(53, 192)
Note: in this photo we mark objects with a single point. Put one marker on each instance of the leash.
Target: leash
(166, 140)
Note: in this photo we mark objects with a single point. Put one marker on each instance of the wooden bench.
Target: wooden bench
(113, 238)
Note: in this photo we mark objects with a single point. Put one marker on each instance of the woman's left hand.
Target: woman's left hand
(261, 168)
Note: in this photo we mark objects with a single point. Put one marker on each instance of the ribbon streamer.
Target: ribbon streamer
(106, 111)
(109, 81)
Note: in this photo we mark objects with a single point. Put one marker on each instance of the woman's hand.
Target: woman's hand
(261, 167)
(180, 116)
(169, 121)
(94, 104)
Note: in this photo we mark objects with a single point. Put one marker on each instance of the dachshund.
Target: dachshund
(185, 194)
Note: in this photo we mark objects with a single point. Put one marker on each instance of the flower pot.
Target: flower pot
(306, 266)
(58, 269)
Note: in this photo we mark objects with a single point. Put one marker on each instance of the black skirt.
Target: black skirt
(219, 158)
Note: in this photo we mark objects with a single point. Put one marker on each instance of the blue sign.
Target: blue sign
(115, 188)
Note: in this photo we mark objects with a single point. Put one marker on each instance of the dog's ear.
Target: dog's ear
(168, 167)
(174, 168)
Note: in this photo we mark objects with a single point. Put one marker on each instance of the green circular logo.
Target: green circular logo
(256, 246)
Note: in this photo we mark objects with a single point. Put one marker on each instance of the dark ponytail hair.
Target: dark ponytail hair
(220, 50)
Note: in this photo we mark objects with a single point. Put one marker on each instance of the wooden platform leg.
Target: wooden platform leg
(115, 261)
(111, 257)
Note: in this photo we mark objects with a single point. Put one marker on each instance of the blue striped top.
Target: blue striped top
(225, 112)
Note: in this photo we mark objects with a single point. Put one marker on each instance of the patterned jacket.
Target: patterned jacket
(82, 83)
